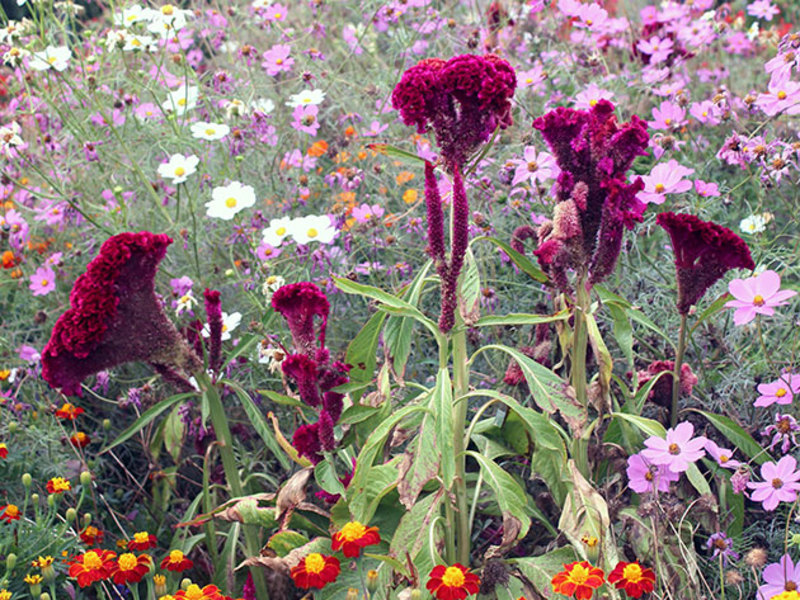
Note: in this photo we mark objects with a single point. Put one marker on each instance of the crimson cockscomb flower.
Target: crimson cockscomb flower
(115, 317)
(316, 570)
(704, 252)
(353, 537)
(634, 579)
(92, 566)
(452, 583)
(299, 303)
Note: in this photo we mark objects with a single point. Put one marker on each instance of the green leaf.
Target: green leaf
(635, 313)
(174, 430)
(521, 319)
(246, 343)
(357, 413)
(696, 478)
(398, 331)
(286, 541)
(395, 564)
(539, 570)
(647, 426)
(281, 399)
(421, 461)
(602, 355)
(469, 290)
(327, 479)
(146, 418)
(361, 352)
(442, 408)
(509, 494)
(414, 528)
(549, 466)
(623, 331)
(523, 262)
(737, 436)
(715, 307)
(395, 152)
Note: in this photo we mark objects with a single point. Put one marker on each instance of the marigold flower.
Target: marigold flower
(69, 411)
(42, 562)
(142, 541)
(130, 568)
(354, 536)
(579, 579)
(91, 535)
(5, 594)
(3, 450)
(452, 583)
(32, 579)
(80, 440)
(632, 578)
(195, 592)
(58, 485)
(10, 512)
(92, 566)
(316, 570)
(176, 561)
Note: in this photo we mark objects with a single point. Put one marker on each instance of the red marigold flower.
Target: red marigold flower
(195, 592)
(92, 566)
(579, 579)
(316, 570)
(3, 450)
(354, 536)
(176, 561)
(58, 485)
(142, 541)
(632, 578)
(80, 440)
(10, 512)
(130, 568)
(69, 411)
(452, 583)
(116, 317)
(91, 535)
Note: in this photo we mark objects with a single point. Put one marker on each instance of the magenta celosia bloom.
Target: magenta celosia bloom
(43, 281)
(704, 252)
(722, 455)
(780, 391)
(780, 483)
(779, 577)
(277, 59)
(534, 166)
(215, 324)
(643, 476)
(305, 118)
(116, 317)
(299, 303)
(665, 178)
(757, 295)
(661, 392)
(668, 115)
(678, 450)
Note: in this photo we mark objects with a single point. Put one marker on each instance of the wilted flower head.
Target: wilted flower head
(704, 252)
(115, 316)
(299, 303)
(661, 393)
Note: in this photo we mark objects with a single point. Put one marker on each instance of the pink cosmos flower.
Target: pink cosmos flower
(722, 456)
(305, 118)
(591, 16)
(780, 391)
(668, 115)
(375, 129)
(43, 281)
(658, 49)
(779, 577)
(646, 477)
(535, 166)
(782, 95)
(275, 12)
(591, 96)
(704, 112)
(677, 450)
(706, 189)
(532, 77)
(665, 178)
(277, 60)
(365, 213)
(759, 294)
(780, 483)
(763, 9)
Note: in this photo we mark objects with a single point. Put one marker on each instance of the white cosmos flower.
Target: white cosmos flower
(263, 105)
(182, 99)
(277, 230)
(132, 14)
(229, 323)
(185, 303)
(753, 224)
(14, 56)
(203, 130)
(178, 168)
(306, 98)
(228, 200)
(313, 229)
(140, 43)
(52, 57)
(167, 20)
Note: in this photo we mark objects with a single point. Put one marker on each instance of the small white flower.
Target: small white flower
(263, 105)
(182, 99)
(234, 108)
(271, 285)
(306, 98)
(202, 130)
(52, 57)
(272, 357)
(132, 14)
(9, 137)
(229, 323)
(261, 4)
(185, 303)
(313, 229)
(178, 168)
(228, 200)
(12, 32)
(140, 43)
(116, 38)
(277, 230)
(167, 20)
(753, 224)
(15, 56)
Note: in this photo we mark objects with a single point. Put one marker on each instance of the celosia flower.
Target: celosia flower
(779, 577)
(780, 391)
(678, 450)
(704, 252)
(91, 535)
(176, 561)
(632, 578)
(92, 566)
(129, 568)
(780, 483)
(661, 392)
(69, 411)
(10, 512)
(452, 583)
(58, 485)
(353, 537)
(142, 541)
(578, 579)
(299, 303)
(116, 317)
(643, 476)
(315, 570)
(195, 592)
(758, 295)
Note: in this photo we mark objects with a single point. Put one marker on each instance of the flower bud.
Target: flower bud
(87, 520)
(51, 500)
(86, 478)
(106, 424)
(185, 583)
(13, 427)
(35, 499)
(415, 594)
(372, 581)
(44, 596)
(11, 561)
(26, 480)
(352, 594)
(71, 515)
(160, 582)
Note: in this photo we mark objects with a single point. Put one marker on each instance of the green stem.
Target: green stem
(460, 388)
(676, 374)
(580, 344)
(220, 422)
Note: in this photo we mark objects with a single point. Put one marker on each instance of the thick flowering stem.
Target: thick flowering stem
(460, 389)
(460, 241)
(676, 374)
(580, 343)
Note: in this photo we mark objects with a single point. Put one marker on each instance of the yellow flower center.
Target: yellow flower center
(281, 231)
(182, 102)
(142, 536)
(315, 563)
(312, 233)
(210, 131)
(352, 531)
(529, 80)
(91, 560)
(579, 574)
(11, 510)
(723, 459)
(453, 577)
(592, 102)
(180, 172)
(758, 300)
(660, 188)
(127, 561)
(44, 282)
(175, 556)
(230, 202)
(632, 573)
(167, 9)
(278, 61)
(193, 592)
(533, 166)
(667, 121)
(589, 22)
(649, 476)
(780, 393)
(674, 449)
(781, 95)
(278, 15)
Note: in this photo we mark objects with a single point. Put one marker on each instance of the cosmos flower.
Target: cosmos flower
(665, 178)
(780, 391)
(643, 476)
(43, 281)
(722, 546)
(182, 100)
(228, 200)
(203, 130)
(779, 577)
(452, 583)
(780, 483)
(52, 57)
(722, 455)
(306, 98)
(353, 537)
(229, 323)
(313, 229)
(677, 450)
(757, 295)
(534, 166)
(178, 168)
(315, 570)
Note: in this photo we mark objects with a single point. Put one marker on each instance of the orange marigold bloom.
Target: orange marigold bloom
(91, 535)
(3, 450)
(58, 485)
(92, 566)
(69, 411)
(9, 512)
(142, 541)
(579, 579)
(195, 592)
(632, 578)
(80, 440)
(176, 561)
(452, 583)
(318, 148)
(10, 260)
(130, 568)
(316, 570)
(353, 537)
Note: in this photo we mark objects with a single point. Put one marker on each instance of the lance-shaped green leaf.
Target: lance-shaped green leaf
(510, 496)
(398, 331)
(736, 434)
(442, 408)
(523, 262)
(521, 319)
(361, 353)
(603, 357)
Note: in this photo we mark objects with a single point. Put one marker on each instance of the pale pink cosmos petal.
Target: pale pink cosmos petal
(741, 290)
(767, 283)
